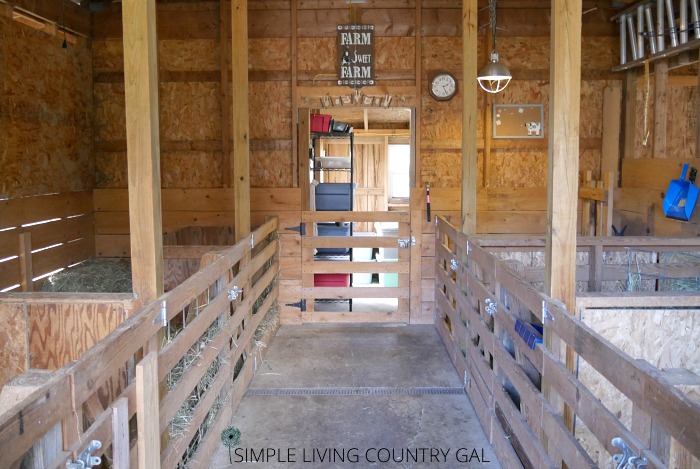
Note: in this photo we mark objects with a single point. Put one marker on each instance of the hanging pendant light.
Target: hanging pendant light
(494, 76)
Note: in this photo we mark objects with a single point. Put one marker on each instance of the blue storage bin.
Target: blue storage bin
(334, 196)
(333, 229)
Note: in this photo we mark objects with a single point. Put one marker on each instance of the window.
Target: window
(399, 179)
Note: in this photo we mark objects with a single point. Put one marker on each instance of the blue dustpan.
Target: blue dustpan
(681, 197)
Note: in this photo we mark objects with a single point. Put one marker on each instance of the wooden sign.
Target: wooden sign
(356, 55)
(518, 121)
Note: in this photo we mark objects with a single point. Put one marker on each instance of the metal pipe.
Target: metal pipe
(695, 17)
(623, 40)
(650, 28)
(633, 37)
(640, 31)
(660, 35)
(672, 30)
(684, 21)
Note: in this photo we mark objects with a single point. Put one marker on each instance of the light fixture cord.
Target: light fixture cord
(492, 20)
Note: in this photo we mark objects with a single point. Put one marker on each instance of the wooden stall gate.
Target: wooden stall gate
(312, 267)
(487, 317)
(185, 361)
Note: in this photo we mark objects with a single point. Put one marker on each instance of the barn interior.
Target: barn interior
(163, 216)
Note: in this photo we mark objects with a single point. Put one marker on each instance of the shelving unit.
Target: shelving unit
(333, 196)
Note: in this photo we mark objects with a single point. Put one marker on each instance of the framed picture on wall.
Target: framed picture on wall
(518, 121)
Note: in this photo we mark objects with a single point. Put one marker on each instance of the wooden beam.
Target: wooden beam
(147, 409)
(25, 262)
(697, 118)
(303, 128)
(295, 71)
(143, 147)
(240, 134)
(225, 59)
(562, 188)
(469, 115)
(612, 109)
(120, 433)
(415, 174)
(630, 114)
(660, 108)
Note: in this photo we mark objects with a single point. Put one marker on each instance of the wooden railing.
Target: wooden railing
(519, 390)
(195, 342)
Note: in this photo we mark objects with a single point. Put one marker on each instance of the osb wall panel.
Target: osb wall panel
(682, 119)
(110, 111)
(600, 53)
(440, 52)
(317, 53)
(14, 346)
(196, 169)
(441, 168)
(270, 105)
(45, 113)
(190, 111)
(269, 54)
(110, 170)
(107, 55)
(60, 333)
(271, 168)
(441, 121)
(518, 168)
(664, 338)
(395, 53)
(189, 55)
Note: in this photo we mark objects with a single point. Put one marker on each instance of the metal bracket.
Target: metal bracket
(86, 459)
(300, 304)
(301, 229)
(252, 241)
(234, 293)
(162, 317)
(490, 306)
(545, 312)
(454, 264)
(406, 242)
(627, 460)
(469, 248)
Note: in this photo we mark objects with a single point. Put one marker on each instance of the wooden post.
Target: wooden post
(612, 109)
(120, 434)
(241, 136)
(415, 175)
(25, 262)
(225, 91)
(586, 206)
(697, 120)
(660, 107)
(562, 190)
(469, 115)
(143, 147)
(295, 69)
(488, 118)
(147, 410)
(303, 129)
(630, 114)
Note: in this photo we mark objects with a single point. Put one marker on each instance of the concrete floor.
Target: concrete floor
(357, 396)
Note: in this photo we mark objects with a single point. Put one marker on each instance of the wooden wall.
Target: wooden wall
(45, 113)
(646, 170)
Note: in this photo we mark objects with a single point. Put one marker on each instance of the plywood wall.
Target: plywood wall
(45, 113)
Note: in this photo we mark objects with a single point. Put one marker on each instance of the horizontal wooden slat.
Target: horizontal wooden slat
(400, 217)
(118, 222)
(350, 242)
(637, 299)
(332, 267)
(62, 256)
(651, 173)
(9, 273)
(355, 317)
(16, 212)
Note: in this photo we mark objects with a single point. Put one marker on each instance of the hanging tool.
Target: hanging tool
(427, 199)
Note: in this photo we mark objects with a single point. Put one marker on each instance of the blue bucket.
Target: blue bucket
(681, 197)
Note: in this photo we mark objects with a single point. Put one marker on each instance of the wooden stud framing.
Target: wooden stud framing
(241, 136)
(630, 113)
(303, 129)
(295, 111)
(469, 115)
(25, 262)
(415, 176)
(225, 64)
(562, 188)
(147, 409)
(612, 102)
(660, 108)
(143, 147)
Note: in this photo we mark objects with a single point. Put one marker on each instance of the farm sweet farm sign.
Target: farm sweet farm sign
(356, 55)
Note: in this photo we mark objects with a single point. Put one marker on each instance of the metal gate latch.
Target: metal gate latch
(627, 460)
(234, 292)
(454, 265)
(406, 242)
(86, 459)
(490, 306)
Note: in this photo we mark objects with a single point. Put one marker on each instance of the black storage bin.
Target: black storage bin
(333, 229)
(334, 196)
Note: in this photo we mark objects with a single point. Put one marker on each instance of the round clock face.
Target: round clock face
(443, 86)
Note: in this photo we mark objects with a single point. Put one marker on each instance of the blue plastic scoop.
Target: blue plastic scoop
(681, 197)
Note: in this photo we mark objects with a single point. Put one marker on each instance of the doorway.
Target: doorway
(369, 280)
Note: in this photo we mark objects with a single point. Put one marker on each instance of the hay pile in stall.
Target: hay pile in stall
(92, 276)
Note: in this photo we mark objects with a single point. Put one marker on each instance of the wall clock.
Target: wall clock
(443, 86)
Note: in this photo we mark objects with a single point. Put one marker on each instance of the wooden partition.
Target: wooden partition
(481, 304)
(42, 234)
(207, 323)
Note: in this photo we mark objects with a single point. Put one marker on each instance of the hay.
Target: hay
(92, 276)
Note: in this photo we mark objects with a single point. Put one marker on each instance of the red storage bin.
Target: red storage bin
(320, 122)
(331, 280)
